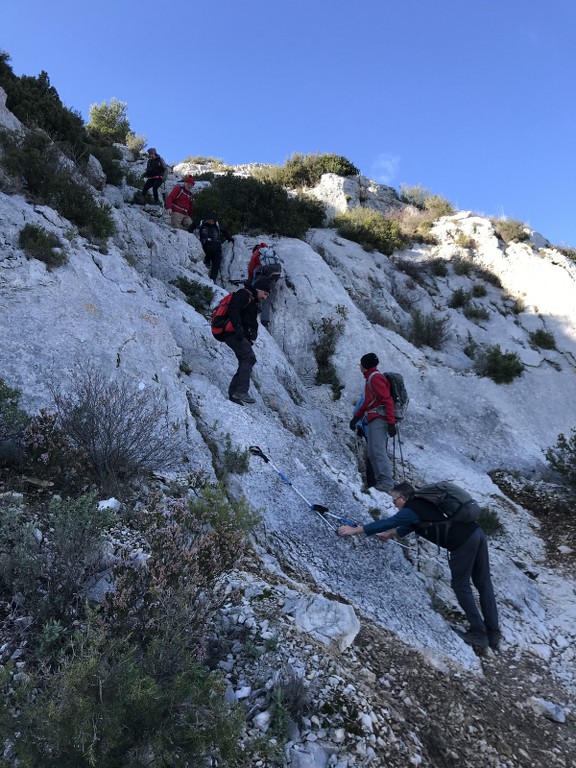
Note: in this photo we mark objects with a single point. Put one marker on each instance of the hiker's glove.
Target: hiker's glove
(239, 334)
(392, 430)
(352, 424)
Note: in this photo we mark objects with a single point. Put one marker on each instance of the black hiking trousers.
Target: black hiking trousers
(213, 254)
(470, 563)
(154, 185)
(246, 361)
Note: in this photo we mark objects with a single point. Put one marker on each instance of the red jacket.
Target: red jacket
(255, 261)
(376, 394)
(181, 200)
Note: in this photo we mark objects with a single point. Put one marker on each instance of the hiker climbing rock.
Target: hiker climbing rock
(211, 234)
(235, 322)
(378, 408)
(265, 263)
(180, 203)
(155, 173)
(465, 542)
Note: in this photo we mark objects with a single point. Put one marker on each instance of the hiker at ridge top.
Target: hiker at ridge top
(180, 203)
(467, 557)
(240, 332)
(156, 170)
(378, 408)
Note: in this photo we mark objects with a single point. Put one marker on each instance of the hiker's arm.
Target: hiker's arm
(382, 389)
(403, 521)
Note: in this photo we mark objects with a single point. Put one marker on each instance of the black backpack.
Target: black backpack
(398, 393)
(209, 232)
(454, 504)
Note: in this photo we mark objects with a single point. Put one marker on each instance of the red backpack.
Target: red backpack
(220, 321)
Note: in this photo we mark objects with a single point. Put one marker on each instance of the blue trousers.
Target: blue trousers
(470, 563)
(377, 436)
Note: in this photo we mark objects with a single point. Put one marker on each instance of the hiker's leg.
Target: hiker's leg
(156, 184)
(147, 185)
(266, 308)
(185, 222)
(461, 561)
(176, 218)
(216, 261)
(483, 583)
(377, 436)
(246, 360)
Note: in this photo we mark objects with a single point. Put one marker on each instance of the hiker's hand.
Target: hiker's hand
(392, 430)
(359, 431)
(239, 334)
(352, 424)
(385, 536)
(349, 530)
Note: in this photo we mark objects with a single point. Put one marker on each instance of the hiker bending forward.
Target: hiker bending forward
(467, 557)
(240, 332)
(180, 203)
(378, 408)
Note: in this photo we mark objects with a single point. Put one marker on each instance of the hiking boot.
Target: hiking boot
(475, 639)
(241, 397)
(382, 489)
(494, 638)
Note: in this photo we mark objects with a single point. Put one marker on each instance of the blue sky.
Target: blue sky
(476, 103)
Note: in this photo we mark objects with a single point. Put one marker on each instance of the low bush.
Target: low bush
(475, 313)
(562, 458)
(543, 339)
(371, 229)
(135, 143)
(510, 230)
(570, 253)
(248, 205)
(75, 202)
(501, 367)
(420, 197)
(307, 170)
(438, 267)
(428, 330)
(463, 240)
(109, 158)
(13, 420)
(40, 244)
(197, 294)
(487, 274)
(121, 429)
(324, 349)
(479, 291)
(462, 266)
(490, 522)
(460, 298)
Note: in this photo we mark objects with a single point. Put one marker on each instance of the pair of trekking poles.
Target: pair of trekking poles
(322, 511)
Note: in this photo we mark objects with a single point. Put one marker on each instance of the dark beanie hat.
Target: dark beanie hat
(262, 284)
(369, 361)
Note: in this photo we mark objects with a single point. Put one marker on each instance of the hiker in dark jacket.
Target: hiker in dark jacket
(211, 234)
(180, 203)
(467, 557)
(154, 174)
(378, 409)
(240, 333)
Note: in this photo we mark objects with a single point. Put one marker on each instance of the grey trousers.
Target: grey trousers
(470, 562)
(377, 434)
(246, 361)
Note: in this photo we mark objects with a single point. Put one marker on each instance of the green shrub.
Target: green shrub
(475, 313)
(460, 298)
(109, 158)
(562, 458)
(76, 203)
(479, 291)
(543, 339)
(570, 253)
(510, 230)
(307, 170)
(135, 143)
(108, 122)
(37, 104)
(420, 197)
(438, 267)
(501, 367)
(248, 205)
(231, 460)
(463, 240)
(371, 229)
(414, 195)
(417, 270)
(437, 206)
(487, 274)
(429, 330)
(13, 420)
(40, 244)
(197, 294)
(490, 522)
(121, 429)
(324, 349)
(462, 266)
(32, 157)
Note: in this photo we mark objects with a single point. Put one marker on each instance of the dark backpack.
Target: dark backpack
(397, 393)
(270, 265)
(454, 504)
(209, 232)
(155, 167)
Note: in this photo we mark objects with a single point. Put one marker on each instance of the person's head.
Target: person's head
(152, 152)
(262, 287)
(401, 493)
(259, 246)
(189, 181)
(368, 361)
(211, 216)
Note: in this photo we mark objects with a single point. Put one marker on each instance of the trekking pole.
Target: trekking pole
(318, 508)
(401, 452)
(394, 458)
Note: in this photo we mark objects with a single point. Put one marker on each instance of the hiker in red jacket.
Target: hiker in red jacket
(180, 203)
(378, 407)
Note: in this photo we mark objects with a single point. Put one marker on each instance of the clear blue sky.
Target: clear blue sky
(473, 101)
